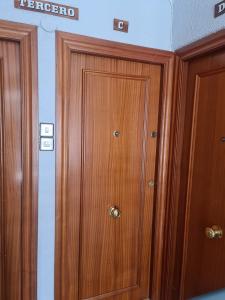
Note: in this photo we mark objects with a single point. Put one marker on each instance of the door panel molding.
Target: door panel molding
(71, 43)
(26, 37)
(176, 227)
(208, 44)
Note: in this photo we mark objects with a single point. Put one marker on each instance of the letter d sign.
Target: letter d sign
(219, 9)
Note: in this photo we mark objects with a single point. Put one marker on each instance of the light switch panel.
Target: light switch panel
(47, 130)
(46, 144)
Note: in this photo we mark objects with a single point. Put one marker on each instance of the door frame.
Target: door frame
(26, 36)
(68, 43)
(175, 230)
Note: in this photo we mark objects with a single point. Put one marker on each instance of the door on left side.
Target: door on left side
(18, 163)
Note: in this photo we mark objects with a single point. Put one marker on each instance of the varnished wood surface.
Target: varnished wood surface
(177, 191)
(18, 161)
(171, 259)
(203, 259)
(84, 44)
(68, 44)
(11, 168)
(108, 95)
(205, 56)
(112, 175)
(2, 285)
(206, 45)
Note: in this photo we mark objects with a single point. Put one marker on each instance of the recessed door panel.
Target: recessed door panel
(113, 176)
(17, 166)
(111, 110)
(11, 168)
(204, 259)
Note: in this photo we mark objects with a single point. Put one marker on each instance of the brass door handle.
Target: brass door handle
(214, 232)
(114, 212)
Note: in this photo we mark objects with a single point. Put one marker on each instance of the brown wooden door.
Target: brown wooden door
(11, 169)
(112, 108)
(17, 166)
(204, 258)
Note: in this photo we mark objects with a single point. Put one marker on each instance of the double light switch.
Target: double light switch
(46, 137)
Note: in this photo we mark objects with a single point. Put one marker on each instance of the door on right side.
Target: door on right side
(203, 268)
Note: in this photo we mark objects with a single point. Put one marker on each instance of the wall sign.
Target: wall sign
(120, 25)
(47, 7)
(219, 9)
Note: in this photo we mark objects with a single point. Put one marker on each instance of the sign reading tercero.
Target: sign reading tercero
(220, 9)
(46, 7)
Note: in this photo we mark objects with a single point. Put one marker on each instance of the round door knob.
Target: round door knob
(114, 212)
(214, 232)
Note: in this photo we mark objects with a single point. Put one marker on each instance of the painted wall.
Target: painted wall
(220, 295)
(150, 26)
(194, 19)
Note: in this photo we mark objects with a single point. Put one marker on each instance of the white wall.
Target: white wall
(194, 19)
(150, 26)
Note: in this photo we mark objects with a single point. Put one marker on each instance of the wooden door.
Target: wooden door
(17, 166)
(110, 115)
(11, 168)
(204, 259)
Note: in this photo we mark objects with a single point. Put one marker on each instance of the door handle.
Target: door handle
(214, 232)
(114, 212)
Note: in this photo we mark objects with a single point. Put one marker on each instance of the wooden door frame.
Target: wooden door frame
(26, 36)
(176, 225)
(67, 44)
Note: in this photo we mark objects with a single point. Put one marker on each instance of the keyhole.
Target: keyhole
(116, 133)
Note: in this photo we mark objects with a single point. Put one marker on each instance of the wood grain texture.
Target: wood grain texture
(209, 196)
(170, 256)
(84, 44)
(164, 163)
(68, 47)
(203, 46)
(11, 168)
(177, 210)
(116, 95)
(205, 191)
(18, 161)
(2, 265)
(112, 176)
(208, 47)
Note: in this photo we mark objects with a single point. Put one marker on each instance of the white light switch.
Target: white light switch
(46, 144)
(47, 130)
